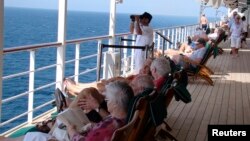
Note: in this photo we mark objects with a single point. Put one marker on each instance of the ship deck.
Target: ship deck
(227, 102)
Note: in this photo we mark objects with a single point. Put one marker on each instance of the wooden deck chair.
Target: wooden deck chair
(202, 70)
(169, 94)
(166, 95)
(151, 133)
(134, 130)
(213, 50)
(222, 36)
(123, 133)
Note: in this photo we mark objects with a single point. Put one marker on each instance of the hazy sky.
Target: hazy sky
(162, 7)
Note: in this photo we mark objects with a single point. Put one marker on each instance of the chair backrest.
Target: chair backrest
(123, 133)
(207, 55)
(220, 37)
(169, 96)
(60, 100)
(144, 116)
(133, 131)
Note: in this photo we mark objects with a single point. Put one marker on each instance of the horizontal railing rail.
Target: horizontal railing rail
(30, 47)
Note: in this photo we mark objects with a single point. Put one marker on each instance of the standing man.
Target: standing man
(140, 27)
(203, 22)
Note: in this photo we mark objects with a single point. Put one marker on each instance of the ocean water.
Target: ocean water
(33, 26)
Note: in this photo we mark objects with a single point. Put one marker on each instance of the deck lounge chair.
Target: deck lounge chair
(135, 128)
(202, 70)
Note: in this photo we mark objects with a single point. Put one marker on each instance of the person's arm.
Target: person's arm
(131, 27)
(91, 103)
(137, 26)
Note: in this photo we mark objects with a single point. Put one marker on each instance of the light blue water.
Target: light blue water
(30, 26)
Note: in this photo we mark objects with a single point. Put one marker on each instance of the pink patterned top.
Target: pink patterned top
(103, 131)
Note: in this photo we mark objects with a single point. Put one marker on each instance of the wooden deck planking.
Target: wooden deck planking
(227, 102)
(219, 98)
(188, 111)
(245, 91)
(201, 135)
(217, 105)
(239, 107)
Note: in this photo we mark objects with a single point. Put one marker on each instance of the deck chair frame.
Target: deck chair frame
(133, 131)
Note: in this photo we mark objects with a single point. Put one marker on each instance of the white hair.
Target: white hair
(120, 93)
(162, 66)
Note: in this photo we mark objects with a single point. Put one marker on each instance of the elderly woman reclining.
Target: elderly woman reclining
(118, 95)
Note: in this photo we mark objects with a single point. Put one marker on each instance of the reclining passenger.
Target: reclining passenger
(73, 88)
(191, 61)
(160, 69)
(118, 95)
(215, 34)
(139, 84)
(89, 98)
(185, 48)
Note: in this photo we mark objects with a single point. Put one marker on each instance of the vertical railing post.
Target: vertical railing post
(158, 41)
(31, 85)
(77, 62)
(182, 34)
(99, 59)
(1, 53)
(176, 37)
(112, 20)
(132, 55)
(172, 37)
(168, 34)
(179, 34)
(61, 36)
(185, 33)
(125, 57)
(163, 44)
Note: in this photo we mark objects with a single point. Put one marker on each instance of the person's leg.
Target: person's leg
(233, 51)
(71, 88)
(204, 27)
(184, 47)
(233, 45)
(139, 60)
(172, 52)
(238, 45)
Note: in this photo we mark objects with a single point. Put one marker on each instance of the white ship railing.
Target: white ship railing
(175, 34)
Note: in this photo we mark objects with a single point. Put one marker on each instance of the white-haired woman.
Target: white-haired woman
(118, 94)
